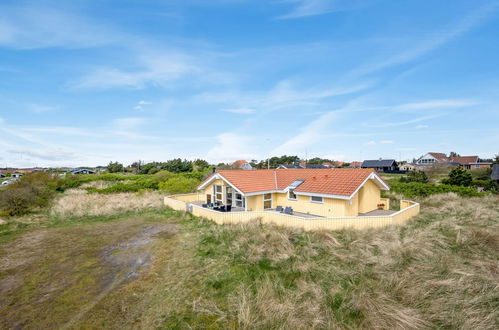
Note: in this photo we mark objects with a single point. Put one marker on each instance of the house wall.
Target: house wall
(369, 196)
(365, 200)
(254, 203)
(352, 206)
(330, 208)
(408, 209)
(208, 190)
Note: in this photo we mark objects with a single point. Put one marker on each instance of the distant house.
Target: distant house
(2, 175)
(82, 171)
(466, 162)
(16, 175)
(432, 158)
(407, 167)
(495, 172)
(329, 164)
(381, 165)
(316, 166)
(294, 165)
(355, 164)
(241, 165)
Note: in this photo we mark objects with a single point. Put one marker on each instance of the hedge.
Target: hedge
(417, 189)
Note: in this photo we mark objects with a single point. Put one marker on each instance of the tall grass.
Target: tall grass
(78, 203)
(440, 271)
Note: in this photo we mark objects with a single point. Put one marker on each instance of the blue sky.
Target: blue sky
(87, 82)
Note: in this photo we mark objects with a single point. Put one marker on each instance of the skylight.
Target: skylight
(295, 184)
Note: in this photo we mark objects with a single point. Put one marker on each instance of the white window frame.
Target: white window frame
(267, 200)
(215, 193)
(318, 202)
(239, 202)
(291, 191)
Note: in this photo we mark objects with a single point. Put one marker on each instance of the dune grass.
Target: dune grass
(438, 271)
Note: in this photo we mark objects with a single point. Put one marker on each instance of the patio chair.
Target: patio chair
(228, 208)
(288, 210)
(204, 205)
(222, 208)
(279, 208)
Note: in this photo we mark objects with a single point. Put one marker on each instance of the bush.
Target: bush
(115, 167)
(459, 177)
(481, 173)
(179, 184)
(74, 181)
(30, 191)
(162, 176)
(415, 176)
(124, 187)
(417, 189)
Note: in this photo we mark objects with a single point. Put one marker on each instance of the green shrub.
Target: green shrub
(30, 191)
(459, 177)
(179, 184)
(417, 189)
(74, 181)
(162, 176)
(481, 173)
(124, 187)
(480, 183)
(415, 176)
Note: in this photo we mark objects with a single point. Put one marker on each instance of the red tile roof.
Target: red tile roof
(334, 181)
(238, 163)
(439, 156)
(465, 160)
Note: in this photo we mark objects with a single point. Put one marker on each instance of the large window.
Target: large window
(240, 201)
(267, 201)
(218, 193)
(291, 194)
(316, 199)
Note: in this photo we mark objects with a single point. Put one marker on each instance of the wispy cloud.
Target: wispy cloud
(140, 105)
(422, 126)
(441, 103)
(434, 40)
(52, 154)
(403, 122)
(308, 135)
(285, 94)
(230, 147)
(306, 8)
(42, 108)
(129, 123)
(155, 69)
(30, 26)
(240, 111)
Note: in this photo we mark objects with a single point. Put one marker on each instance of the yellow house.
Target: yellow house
(335, 192)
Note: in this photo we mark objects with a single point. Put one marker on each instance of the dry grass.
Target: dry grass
(77, 203)
(439, 271)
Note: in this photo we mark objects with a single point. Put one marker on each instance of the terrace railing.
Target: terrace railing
(408, 209)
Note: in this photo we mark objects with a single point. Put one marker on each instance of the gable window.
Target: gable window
(316, 199)
(267, 201)
(240, 200)
(291, 194)
(218, 193)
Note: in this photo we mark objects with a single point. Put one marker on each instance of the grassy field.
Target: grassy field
(93, 261)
